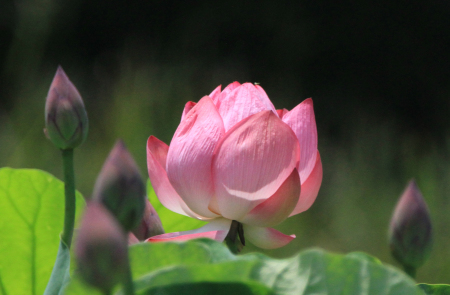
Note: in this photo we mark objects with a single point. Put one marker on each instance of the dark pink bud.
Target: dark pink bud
(66, 120)
(120, 188)
(150, 225)
(132, 239)
(101, 249)
(410, 231)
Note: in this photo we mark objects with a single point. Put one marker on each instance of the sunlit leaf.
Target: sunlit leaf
(31, 220)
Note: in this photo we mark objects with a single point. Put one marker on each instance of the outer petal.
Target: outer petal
(218, 97)
(215, 94)
(187, 107)
(190, 155)
(278, 207)
(302, 120)
(156, 161)
(217, 230)
(251, 162)
(240, 103)
(264, 98)
(266, 238)
(310, 188)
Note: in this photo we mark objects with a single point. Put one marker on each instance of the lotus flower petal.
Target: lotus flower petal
(240, 103)
(251, 162)
(187, 107)
(278, 207)
(190, 155)
(282, 112)
(265, 237)
(215, 94)
(310, 188)
(263, 97)
(156, 160)
(302, 120)
(216, 229)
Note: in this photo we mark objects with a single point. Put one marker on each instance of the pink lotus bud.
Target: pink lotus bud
(150, 225)
(410, 231)
(119, 187)
(132, 239)
(101, 249)
(66, 120)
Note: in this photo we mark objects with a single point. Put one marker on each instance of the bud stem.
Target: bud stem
(128, 286)
(69, 191)
(411, 271)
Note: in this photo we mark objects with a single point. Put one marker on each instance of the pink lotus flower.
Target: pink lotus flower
(235, 157)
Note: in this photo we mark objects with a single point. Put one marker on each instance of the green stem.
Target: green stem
(128, 286)
(69, 191)
(411, 271)
(235, 238)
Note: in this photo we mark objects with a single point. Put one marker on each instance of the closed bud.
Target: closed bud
(66, 120)
(132, 239)
(101, 249)
(410, 231)
(120, 188)
(150, 225)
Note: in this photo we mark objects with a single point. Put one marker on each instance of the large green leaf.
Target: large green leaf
(252, 288)
(31, 220)
(171, 221)
(205, 264)
(439, 289)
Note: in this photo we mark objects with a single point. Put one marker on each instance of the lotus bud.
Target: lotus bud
(150, 225)
(120, 188)
(410, 231)
(101, 249)
(132, 239)
(66, 120)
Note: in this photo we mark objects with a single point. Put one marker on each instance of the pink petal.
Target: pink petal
(251, 162)
(240, 103)
(310, 188)
(215, 94)
(188, 106)
(217, 230)
(190, 155)
(264, 98)
(282, 112)
(266, 238)
(301, 119)
(278, 207)
(217, 97)
(156, 161)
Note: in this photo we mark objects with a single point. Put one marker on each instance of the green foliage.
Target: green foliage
(171, 221)
(206, 267)
(439, 289)
(31, 219)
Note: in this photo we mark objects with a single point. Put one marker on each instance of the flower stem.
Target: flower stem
(69, 191)
(235, 238)
(411, 271)
(128, 287)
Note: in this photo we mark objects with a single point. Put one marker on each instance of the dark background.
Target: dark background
(378, 72)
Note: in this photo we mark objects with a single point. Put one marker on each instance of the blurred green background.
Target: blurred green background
(378, 72)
